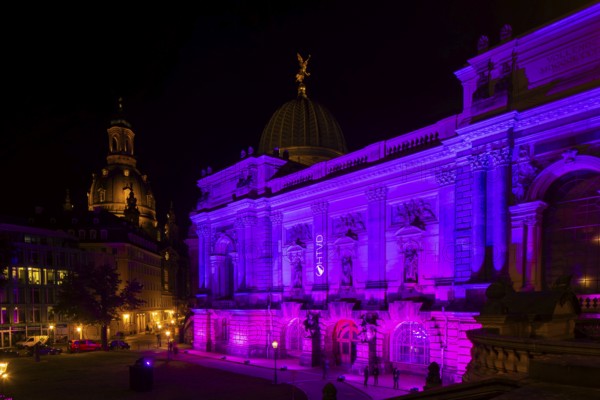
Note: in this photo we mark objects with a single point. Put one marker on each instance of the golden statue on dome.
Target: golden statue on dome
(302, 73)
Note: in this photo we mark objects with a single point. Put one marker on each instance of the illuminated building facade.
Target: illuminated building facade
(383, 255)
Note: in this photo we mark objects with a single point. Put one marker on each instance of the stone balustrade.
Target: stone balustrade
(493, 354)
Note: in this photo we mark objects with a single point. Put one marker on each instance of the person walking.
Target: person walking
(396, 376)
(366, 374)
(375, 375)
(158, 342)
(325, 368)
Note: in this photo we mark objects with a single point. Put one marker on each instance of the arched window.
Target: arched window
(294, 337)
(410, 344)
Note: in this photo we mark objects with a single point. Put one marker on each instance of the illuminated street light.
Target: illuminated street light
(275, 344)
(51, 327)
(80, 332)
(3, 373)
(126, 322)
(168, 333)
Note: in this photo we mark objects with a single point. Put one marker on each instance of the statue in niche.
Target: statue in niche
(346, 270)
(311, 324)
(297, 273)
(411, 264)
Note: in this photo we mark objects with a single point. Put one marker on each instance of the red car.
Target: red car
(75, 346)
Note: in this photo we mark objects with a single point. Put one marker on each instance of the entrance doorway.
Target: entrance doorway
(345, 339)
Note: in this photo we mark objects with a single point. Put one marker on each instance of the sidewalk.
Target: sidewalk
(384, 390)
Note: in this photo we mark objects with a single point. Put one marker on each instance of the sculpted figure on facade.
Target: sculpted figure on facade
(369, 327)
(413, 213)
(346, 270)
(297, 272)
(411, 264)
(524, 172)
(311, 324)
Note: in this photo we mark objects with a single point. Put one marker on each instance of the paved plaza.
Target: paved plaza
(188, 375)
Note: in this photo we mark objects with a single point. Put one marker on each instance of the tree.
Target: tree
(92, 296)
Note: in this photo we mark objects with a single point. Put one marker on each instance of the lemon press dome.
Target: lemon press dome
(304, 128)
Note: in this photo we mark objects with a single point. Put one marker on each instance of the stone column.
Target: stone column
(240, 271)
(204, 256)
(526, 240)
(499, 193)
(376, 219)
(446, 179)
(479, 163)
(277, 242)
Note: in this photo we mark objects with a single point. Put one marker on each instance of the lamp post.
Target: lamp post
(275, 344)
(51, 327)
(168, 333)
(80, 332)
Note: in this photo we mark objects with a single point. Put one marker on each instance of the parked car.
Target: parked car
(43, 349)
(118, 345)
(8, 353)
(31, 341)
(76, 346)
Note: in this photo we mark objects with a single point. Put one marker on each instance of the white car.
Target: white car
(31, 341)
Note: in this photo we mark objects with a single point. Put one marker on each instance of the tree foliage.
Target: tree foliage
(93, 296)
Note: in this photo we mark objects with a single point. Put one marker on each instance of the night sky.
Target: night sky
(200, 85)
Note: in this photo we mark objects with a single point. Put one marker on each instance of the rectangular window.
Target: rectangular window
(35, 296)
(50, 276)
(50, 313)
(61, 275)
(16, 319)
(4, 316)
(16, 296)
(34, 276)
(21, 273)
(35, 315)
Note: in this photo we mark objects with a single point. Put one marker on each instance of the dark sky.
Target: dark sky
(200, 85)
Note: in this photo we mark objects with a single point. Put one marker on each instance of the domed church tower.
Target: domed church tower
(302, 129)
(120, 188)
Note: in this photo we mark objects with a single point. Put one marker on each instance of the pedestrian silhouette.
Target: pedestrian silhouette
(375, 375)
(158, 343)
(366, 373)
(325, 368)
(396, 376)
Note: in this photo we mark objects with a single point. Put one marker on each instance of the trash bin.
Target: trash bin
(141, 376)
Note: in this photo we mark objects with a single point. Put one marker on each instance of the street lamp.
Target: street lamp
(126, 323)
(3, 373)
(274, 344)
(80, 332)
(51, 327)
(168, 333)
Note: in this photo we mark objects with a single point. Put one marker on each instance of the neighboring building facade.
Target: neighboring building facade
(34, 262)
(37, 252)
(383, 255)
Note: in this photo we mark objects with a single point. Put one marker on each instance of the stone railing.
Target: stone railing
(493, 354)
(590, 303)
